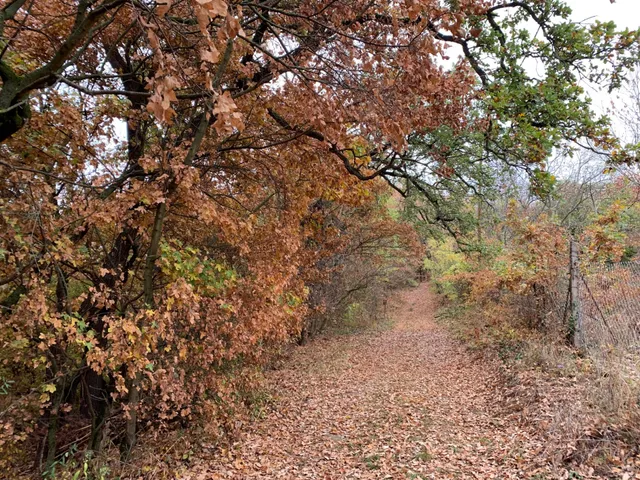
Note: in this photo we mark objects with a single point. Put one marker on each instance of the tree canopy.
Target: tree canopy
(176, 177)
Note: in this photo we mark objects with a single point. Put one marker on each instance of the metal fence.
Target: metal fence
(607, 314)
(596, 306)
(608, 308)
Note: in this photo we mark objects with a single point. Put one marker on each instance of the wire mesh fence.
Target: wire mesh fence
(608, 308)
(609, 305)
(595, 307)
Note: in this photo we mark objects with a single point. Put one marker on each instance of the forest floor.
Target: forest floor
(404, 402)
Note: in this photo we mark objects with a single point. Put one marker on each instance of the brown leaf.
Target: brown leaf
(211, 55)
(162, 7)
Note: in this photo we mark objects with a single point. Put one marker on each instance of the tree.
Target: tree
(141, 271)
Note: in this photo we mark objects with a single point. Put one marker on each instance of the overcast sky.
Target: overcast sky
(626, 13)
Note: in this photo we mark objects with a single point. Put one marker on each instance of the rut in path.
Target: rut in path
(408, 402)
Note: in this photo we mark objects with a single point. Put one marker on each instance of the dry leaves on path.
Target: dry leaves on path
(409, 402)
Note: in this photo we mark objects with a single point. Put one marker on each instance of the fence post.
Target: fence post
(575, 326)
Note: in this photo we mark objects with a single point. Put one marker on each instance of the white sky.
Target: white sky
(625, 13)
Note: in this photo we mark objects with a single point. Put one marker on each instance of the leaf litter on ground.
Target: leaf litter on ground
(409, 402)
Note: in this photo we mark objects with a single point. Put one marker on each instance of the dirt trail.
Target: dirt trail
(403, 403)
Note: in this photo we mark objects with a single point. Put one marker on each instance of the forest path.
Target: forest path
(404, 403)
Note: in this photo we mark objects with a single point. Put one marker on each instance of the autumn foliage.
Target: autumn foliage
(144, 276)
(185, 185)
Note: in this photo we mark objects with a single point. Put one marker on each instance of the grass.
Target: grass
(259, 401)
(416, 476)
(357, 319)
(371, 462)
(424, 456)
(578, 389)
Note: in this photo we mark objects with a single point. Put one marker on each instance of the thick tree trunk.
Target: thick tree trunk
(13, 118)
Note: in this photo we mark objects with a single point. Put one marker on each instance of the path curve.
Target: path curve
(404, 403)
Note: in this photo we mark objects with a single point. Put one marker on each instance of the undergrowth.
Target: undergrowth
(582, 408)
